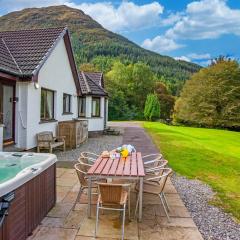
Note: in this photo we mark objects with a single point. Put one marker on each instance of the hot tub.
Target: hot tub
(31, 178)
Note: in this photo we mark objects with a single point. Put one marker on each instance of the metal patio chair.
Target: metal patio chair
(81, 170)
(91, 157)
(111, 195)
(157, 169)
(152, 160)
(155, 185)
(84, 161)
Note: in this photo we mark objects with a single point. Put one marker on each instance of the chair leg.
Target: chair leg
(78, 197)
(135, 214)
(164, 207)
(165, 200)
(97, 216)
(129, 203)
(123, 223)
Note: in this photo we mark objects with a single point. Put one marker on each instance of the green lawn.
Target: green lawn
(210, 155)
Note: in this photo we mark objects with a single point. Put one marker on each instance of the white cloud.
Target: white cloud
(171, 19)
(196, 56)
(206, 19)
(183, 58)
(203, 59)
(126, 16)
(161, 44)
(203, 19)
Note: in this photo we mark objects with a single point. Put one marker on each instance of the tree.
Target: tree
(211, 98)
(166, 100)
(134, 81)
(88, 67)
(152, 107)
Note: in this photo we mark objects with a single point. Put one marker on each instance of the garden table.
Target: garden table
(130, 168)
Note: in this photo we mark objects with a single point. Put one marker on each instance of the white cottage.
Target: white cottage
(40, 85)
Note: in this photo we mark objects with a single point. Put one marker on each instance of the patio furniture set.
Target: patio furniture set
(112, 178)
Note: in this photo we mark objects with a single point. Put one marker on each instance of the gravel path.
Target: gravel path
(211, 221)
(94, 144)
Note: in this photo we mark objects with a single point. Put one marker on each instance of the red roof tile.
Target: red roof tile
(90, 84)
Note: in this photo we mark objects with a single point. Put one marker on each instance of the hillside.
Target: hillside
(90, 39)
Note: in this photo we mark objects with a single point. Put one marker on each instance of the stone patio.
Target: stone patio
(64, 223)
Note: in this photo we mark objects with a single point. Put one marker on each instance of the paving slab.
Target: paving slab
(109, 227)
(60, 210)
(53, 233)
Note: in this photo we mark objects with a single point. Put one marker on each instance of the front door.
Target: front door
(7, 111)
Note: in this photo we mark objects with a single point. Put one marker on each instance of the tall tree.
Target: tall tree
(166, 100)
(152, 107)
(211, 97)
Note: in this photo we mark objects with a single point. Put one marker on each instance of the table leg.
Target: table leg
(140, 198)
(89, 196)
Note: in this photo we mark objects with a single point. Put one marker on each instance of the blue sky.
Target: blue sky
(192, 30)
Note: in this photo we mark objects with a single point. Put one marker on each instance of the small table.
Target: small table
(131, 167)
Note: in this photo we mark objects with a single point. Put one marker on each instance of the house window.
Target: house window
(47, 104)
(81, 107)
(66, 103)
(95, 107)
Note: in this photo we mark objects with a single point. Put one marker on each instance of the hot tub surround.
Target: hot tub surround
(34, 196)
(1, 137)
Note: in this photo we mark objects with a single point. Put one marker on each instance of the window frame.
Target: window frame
(85, 104)
(44, 119)
(99, 99)
(67, 111)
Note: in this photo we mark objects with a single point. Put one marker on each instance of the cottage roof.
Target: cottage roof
(92, 83)
(23, 52)
(26, 49)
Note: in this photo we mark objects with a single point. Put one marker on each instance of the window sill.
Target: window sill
(67, 113)
(48, 121)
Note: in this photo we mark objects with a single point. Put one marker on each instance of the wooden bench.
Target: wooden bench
(45, 140)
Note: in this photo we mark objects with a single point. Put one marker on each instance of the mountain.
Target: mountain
(90, 39)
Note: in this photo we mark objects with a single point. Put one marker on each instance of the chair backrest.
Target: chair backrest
(160, 163)
(84, 161)
(45, 136)
(91, 157)
(81, 173)
(161, 178)
(110, 193)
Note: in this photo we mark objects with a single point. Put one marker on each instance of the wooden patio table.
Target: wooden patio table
(129, 168)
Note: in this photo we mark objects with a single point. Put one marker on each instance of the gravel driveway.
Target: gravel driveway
(211, 221)
(93, 144)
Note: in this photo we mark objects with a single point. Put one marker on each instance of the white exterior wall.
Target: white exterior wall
(54, 75)
(96, 123)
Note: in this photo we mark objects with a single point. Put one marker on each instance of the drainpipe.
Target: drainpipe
(1, 137)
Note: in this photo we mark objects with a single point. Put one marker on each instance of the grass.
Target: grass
(210, 155)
